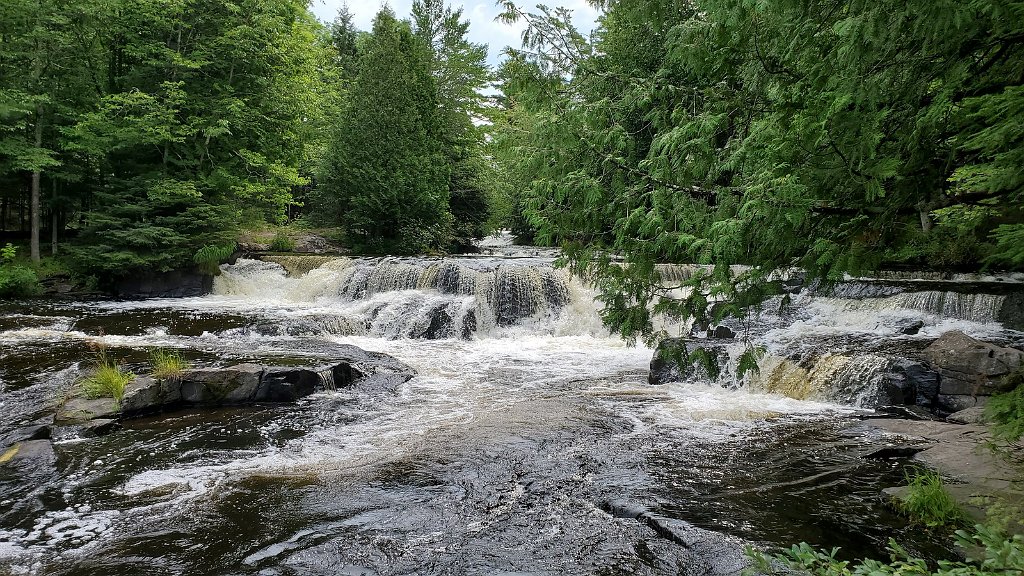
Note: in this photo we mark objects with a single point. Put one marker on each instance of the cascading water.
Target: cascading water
(529, 441)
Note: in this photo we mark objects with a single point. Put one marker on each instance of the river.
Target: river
(529, 442)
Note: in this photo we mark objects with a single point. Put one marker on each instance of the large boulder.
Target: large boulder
(1011, 313)
(146, 395)
(287, 384)
(232, 385)
(968, 366)
(922, 382)
(669, 362)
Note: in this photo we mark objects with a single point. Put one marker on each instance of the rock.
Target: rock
(175, 284)
(32, 455)
(721, 332)
(923, 382)
(1011, 313)
(967, 366)
(909, 412)
(33, 432)
(100, 427)
(956, 403)
(972, 415)
(895, 451)
(214, 386)
(246, 247)
(79, 409)
(669, 362)
(910, 327)
(146, 395)
(312, 244)
(287, 384)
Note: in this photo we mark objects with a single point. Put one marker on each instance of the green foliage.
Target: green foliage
(385, 178)
(167, 364)
(209, 258)
(1003, 556)
(108, 380)
(16, 280)
(7, 254)
(163, 124)
(282, 243)
(928, 502)
(1006, 411)
(833, 137)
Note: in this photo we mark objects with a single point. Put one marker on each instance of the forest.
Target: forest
(835, 136)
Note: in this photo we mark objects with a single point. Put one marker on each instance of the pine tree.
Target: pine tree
(385, 179)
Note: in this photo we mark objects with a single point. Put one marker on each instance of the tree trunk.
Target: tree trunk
(55, 217)
(36, 175)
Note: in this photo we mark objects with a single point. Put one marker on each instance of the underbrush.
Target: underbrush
(1006, 411)
(1000, 555)
(16, 280)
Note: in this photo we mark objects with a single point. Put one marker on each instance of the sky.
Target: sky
(481, 13)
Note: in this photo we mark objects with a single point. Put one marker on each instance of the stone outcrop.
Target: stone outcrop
(970, 367)
(235, 385)
(176, 284)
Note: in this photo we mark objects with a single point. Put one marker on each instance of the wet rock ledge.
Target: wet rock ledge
(235, 385)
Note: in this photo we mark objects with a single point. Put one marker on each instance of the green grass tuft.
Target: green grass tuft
(928, 502)
(167, 364)
(282, 243)
(108, 380)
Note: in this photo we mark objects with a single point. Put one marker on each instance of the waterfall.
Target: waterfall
(399, 297)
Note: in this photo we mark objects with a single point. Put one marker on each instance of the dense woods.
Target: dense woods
(833, 136)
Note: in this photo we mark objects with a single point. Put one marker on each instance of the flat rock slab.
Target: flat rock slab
(31, 455)
(962, 452)
(79, 409)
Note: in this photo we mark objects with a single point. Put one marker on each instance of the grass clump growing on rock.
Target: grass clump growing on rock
(928, 502)
(282, 243)
(108, 380)
(1006, 410)
(167, 364)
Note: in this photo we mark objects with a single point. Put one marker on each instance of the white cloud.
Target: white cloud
(482, 28)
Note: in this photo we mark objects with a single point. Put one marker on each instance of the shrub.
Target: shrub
(167, 364)
(108, 380)
(1006, 411)
(282, 243)
(927, 501)
(17, 281)
(208, 258)
(1002, 555)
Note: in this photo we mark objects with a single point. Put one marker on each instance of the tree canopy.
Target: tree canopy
(836, 136)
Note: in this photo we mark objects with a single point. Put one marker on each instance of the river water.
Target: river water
(529, 442)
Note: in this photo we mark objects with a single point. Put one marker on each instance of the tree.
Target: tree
(834, 136)
(200, 127)
(460, 70)
(385, 178)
